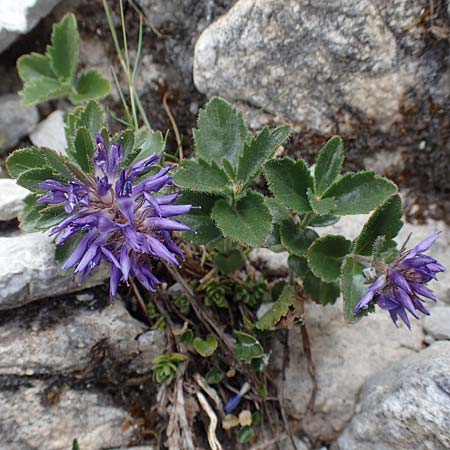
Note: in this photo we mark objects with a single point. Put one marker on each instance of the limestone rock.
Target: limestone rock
(29, 421)
(50, 133)
(344, 356)
(270, 262)
(304, 60)
(29, 272)
(11, 198)
(16, 120)
(59, 336)
(406, 406)
(438, 323)
(19, 17)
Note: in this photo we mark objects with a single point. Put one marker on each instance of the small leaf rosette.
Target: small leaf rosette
(118, 217)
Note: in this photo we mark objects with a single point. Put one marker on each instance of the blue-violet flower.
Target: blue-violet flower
(401, 286)
(118, 217)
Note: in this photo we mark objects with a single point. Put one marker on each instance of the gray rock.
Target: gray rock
(59, 337)
(11, 198)
(406, 406)
(50, 133)
(344, 356)
(29, 272)
(438, 323)
(305, 60)
(28, 421)
(19, 17)
(16, 120)
(150, 344)
(270, 262)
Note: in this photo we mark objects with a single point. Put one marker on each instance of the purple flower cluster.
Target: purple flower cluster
(119, 218)
(401, 286)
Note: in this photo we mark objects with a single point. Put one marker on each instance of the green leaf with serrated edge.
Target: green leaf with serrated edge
(63, 52)
(249, 222)
(214, 375)
(279, 309)
(258, 151)
(328, 164)
(146, 143)
(199, 176)
(325, 256)
(30, 213)
(320, 291)
(296, 240)
(385, 221)
(34, 66)
(359, 193)
(71, 123)
(25, 159)
(247, 347)
(204, 230)
(127, 139)
(205, 347)
(90, 86)
(84, 149)
(220, 133)
(288, 181)
(57, 163)
(353, 287)
(50, 216)
(321, 206)
(245, 434)
(324, 221)
(63, 251)
(41, 90)
(31, 178)
(279, 213)
(91, 117)
(230, 262)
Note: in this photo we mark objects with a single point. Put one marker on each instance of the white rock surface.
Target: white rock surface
(20, 16)
(270, 262)
(304, 59)
(29, 422)
(16, 120)
(344, 356)
(28, 271)
(405, 407)
(438, 323)
(59, 336)
(11, 198)
(50, 133)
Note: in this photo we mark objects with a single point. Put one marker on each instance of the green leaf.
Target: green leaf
(321, 206)
(50, 216)
(56, 162)
(204, 230)
(245, 434)
(187, 337)
(91, 86)
(84, 149)
(249, 222)
(75, 445)
(34, 66)
(353, 287)
(328, 164)
(214, 375)
(320, 291)
(258, 151)
(296, 240)
(31, 178)
(199, 176)
(63, 251)
(289, 181)
(325, 256)
(279, 309)
(247, 347)
(25, 159)
(229, 263)
(41, 90)
(205, 347)
(63, 52)
(324, 221)
(92, 118)
(29, 215)
(385, 221)
(359, 193)
(220, 133)
(145, 144)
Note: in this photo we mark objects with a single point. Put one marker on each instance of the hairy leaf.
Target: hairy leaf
(279, 309)
(25, 159)
(296, 240)
(34, 66)
(328, 164)
(91, 86)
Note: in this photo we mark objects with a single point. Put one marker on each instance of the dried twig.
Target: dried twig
(212, 393)
(174, 125)
(212, 438)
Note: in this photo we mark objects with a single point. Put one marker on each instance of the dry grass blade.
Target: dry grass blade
(212, 438)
